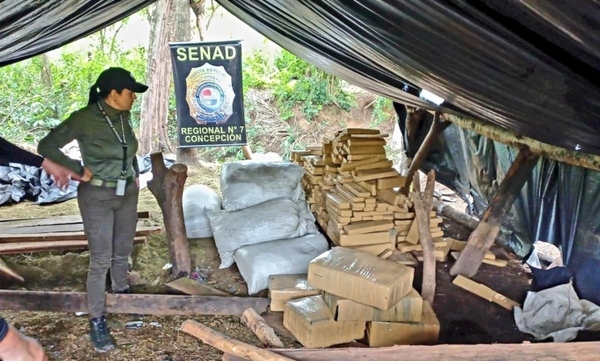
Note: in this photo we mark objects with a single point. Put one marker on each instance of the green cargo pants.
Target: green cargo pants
(109, 222)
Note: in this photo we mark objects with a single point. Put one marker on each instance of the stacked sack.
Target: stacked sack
(265, 226)
(195, 200)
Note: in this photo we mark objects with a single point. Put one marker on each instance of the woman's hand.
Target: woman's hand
(87, 175)
(137, 182)
(60, 174)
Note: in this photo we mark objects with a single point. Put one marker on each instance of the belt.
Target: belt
(108, 184)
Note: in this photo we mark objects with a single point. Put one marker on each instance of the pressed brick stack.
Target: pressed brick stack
(349, 294)
(350, 186)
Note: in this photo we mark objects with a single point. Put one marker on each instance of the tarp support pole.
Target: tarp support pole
(488, 227)
(437, 127)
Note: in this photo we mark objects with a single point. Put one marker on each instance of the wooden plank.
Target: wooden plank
(54, 220)
(188, 286)
(50, 246)
(8, 273)
(143, 304)
(56, 228)
(485, 292)
(571, 351)
(67, 236)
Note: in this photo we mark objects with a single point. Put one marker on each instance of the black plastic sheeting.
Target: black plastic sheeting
(559, 203)
(529, 66)
(29, 28)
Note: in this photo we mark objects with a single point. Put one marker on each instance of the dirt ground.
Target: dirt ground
(465, 318)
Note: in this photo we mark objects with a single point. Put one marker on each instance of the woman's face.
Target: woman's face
(123, 100)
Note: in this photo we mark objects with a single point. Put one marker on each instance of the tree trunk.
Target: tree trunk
(199, 8)
(47, 82)
(155, 102)
(183, 32)
(423, 202)
(167, 187)
(488, 227)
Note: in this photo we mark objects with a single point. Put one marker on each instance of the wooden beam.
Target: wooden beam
(437, 127)
(488, 227)
(422, 202)
(553, 351)
(513, 139)
(144, 304)
(167, 187)
(229, 345)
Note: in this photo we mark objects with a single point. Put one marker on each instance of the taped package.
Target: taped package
(361, 277)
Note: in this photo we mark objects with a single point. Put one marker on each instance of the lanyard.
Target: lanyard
(123, 140)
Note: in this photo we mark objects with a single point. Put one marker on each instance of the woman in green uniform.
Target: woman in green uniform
(108, 192)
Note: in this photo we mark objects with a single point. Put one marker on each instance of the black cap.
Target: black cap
(119, 79)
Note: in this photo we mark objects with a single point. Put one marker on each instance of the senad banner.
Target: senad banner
(208, 93)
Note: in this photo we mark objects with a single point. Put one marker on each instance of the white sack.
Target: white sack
(247, 183)
(288, 256)
(557, 312)
(268, 221)
(196, 199)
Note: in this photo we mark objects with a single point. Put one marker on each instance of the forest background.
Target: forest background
(289, 103)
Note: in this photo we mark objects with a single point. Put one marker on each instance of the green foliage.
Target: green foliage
(39, 93)
(301, 84)
(383, 111)
(30, 106)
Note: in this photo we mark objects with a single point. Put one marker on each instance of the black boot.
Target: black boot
(100, 336)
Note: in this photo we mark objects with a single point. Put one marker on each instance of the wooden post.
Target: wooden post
(485, 234)
(423, 202)
(229, 345)
(247, 151)
(167, 187)
(261, 329)
(437, 127)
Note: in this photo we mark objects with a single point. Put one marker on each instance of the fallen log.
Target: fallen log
(568, 351)
(229, 345)
(261, 329)
(144, 304)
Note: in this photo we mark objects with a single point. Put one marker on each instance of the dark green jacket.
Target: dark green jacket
(100, 149)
